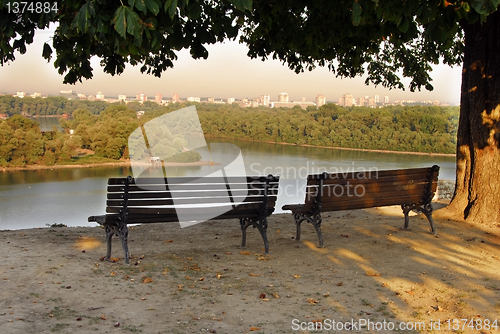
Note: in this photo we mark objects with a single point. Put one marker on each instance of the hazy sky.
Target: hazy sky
(228, 72)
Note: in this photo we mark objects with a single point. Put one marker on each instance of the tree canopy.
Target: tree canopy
(384, 39)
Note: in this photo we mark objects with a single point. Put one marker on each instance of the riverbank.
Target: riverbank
(341, 148)
(196, 279)
(121, 163)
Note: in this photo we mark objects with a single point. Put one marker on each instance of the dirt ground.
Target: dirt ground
(371, 277)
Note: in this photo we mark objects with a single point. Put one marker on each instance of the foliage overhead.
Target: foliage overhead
(383, 39)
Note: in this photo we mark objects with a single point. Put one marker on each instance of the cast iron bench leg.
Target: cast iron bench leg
(261, 226)
(406, 210)
(244, 223)
(123, 233)
(314, 220)
(426, 209)
(110, 230)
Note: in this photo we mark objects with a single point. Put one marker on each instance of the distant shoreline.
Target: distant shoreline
(122, 163)
(340, 148)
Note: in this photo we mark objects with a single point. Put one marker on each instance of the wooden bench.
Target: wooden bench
(413, 189)
(164, 200)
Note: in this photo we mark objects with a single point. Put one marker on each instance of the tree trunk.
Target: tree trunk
(477, 190)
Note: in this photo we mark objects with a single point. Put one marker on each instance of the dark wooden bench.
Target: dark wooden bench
(413, 189)
(164, 200)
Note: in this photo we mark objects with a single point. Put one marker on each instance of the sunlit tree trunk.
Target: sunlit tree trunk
(477, 192)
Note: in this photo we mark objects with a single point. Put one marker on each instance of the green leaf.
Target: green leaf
(242, 5)
(404, 25)
(139, 4)
(153, 6)
(171, 7)
(120, 21)
(82, 20)
(484, 7)
(194, 10)
(134, 26)
(127, 21)
(47, 51)
(356, 13)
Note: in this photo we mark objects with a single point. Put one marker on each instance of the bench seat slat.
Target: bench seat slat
(372, 174)
(246, 207)
(168, 195)
(385, 179)
(188, 187)
(214, 200)
(352, 203)
(145, 219)
(199, 180)
(369, 202)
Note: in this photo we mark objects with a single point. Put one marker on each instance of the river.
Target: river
(37, 198)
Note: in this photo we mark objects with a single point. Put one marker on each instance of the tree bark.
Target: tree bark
(477, 190)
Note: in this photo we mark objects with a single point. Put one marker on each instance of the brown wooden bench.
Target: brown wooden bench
(413, 189)
(164, 200)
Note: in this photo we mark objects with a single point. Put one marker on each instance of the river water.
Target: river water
(37, 198)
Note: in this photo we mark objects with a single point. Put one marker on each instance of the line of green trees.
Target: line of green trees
(50, 106)
(396, 128)
(105, 133)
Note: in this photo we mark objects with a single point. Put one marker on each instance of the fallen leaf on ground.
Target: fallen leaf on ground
(245, 253)
(253, 329)
(147, 280)
(168, 241)
(340, 283)
(372, 273)
(296, 276)
(254, 275)
(312, 301)
(276, 295)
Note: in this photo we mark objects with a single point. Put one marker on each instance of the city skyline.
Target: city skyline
(228, 72)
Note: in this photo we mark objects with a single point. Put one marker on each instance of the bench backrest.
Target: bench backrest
(356, 190)
(149, 200)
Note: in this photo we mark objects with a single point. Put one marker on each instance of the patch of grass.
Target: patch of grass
(366, 303)
(60, 312)
(59, 327)
(132, 329)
